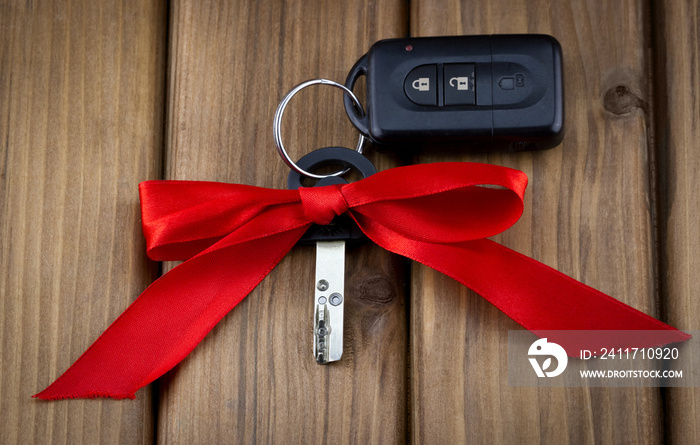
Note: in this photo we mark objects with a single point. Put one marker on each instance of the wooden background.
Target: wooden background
(98, 96)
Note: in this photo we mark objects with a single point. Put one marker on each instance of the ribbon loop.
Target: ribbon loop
(322, 204)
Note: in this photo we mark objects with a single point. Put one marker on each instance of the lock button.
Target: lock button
(421, 85)
(460, 84)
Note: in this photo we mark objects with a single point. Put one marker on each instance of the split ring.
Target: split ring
(277, 126)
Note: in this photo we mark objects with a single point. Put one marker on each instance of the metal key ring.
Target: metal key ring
(277, 126)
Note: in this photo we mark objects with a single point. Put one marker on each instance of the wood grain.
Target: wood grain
(81, 122)
(587, 214)
(81, 111)
(253, 378)
(677, 51)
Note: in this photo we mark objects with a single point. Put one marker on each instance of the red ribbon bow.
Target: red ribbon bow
(233, 235)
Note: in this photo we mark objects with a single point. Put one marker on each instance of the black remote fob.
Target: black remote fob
(485, 93)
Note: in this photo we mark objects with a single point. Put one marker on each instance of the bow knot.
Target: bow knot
(322, 204)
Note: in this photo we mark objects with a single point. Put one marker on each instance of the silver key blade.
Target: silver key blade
(329, 301)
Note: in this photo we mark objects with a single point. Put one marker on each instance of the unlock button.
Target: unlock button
(460, 84)
(421, 85)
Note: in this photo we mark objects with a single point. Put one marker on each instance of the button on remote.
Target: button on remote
(460, 85)
(421, 85)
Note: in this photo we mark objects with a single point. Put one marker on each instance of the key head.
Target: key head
(342, 228)
(482, 93)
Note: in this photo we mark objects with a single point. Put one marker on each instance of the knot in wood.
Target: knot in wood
(322, 204)
(377, 290)
(621, 100)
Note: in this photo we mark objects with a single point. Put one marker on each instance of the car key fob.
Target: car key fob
(488, 93)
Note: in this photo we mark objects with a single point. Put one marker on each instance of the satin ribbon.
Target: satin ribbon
(232, 236)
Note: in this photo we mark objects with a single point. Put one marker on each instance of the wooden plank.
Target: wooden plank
(253, 378)
(677, 103)
(587, 213)
(81, 111)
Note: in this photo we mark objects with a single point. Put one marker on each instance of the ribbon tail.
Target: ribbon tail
(533, 294)
(171, 317)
